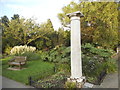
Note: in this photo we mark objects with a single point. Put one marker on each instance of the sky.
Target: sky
(40, 10)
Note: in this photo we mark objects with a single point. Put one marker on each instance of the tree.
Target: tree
(103, 19)
(46, 31)
(63, 37)
(67, 38)
(119, 22)
(5, 20)
(15, 16)
(20, 32)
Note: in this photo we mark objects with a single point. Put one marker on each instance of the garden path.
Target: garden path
(8, 83)
(110, 81)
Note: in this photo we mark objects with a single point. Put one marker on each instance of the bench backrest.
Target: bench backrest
(20, 59)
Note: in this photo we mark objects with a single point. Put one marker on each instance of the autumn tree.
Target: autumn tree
(46, 31)
(102, 16)
(21, 31)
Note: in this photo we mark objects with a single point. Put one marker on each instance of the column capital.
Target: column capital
(75, 14)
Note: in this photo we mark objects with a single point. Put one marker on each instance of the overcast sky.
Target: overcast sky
(41, 10)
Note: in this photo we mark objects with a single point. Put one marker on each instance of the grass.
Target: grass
(37, 67)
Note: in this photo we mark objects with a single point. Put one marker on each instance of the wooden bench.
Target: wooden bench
(18, 61)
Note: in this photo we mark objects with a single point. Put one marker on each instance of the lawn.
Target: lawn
(37, 67)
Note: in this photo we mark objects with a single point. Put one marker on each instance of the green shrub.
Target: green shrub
(97, 60)
(8, 49)
(32, 56)
(89, 49)
(0, 55)
(60, 55)
(63, 67)
(111, 65)
(57, 55)
(54, 81)
(5, 60)
(70, 85)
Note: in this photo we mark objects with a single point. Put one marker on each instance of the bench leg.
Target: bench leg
(10, 65)
(20, 67)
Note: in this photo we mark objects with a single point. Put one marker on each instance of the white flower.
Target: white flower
(22, 49)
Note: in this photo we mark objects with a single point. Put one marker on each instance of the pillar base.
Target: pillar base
(79, 81)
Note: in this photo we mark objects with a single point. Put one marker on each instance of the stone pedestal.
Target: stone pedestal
(79, 81)
(76, 62)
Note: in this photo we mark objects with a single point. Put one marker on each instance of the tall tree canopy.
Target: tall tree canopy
(21, 31)
(5, 20)
(103, 17)
(15, 16)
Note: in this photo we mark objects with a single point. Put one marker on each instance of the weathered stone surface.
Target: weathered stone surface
(88, 85)
(79, 81)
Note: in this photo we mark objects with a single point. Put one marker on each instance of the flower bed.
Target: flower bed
(96, 62)
(54, 81)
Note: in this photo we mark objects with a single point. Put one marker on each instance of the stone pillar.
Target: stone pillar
(76, 62)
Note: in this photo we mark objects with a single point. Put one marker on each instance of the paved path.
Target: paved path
(110, 81)
(8, 83)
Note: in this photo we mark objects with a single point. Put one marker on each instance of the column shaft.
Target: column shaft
(76, 63)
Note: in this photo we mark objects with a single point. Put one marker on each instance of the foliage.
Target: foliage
(19, 50)
(111, 65)
(105, 53)
(52, 44)
(5, 60)
(70, 85)
(59, 54)
(21, 31)
(32, 56)
(54, 81)
(46, 30)
(5, 20)
(94, 59)
(44, 69)
(103, 28)
(15, 16)
(119, 23)
(8, 49)
(63, 37)
(97, 60)
(63, 67)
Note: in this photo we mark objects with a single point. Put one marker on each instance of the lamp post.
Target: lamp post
(76, 62)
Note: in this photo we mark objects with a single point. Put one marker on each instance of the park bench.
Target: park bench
(17, 61)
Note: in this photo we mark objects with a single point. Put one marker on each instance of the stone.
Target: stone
(79, 81)
(88, 85)
(77, 13)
